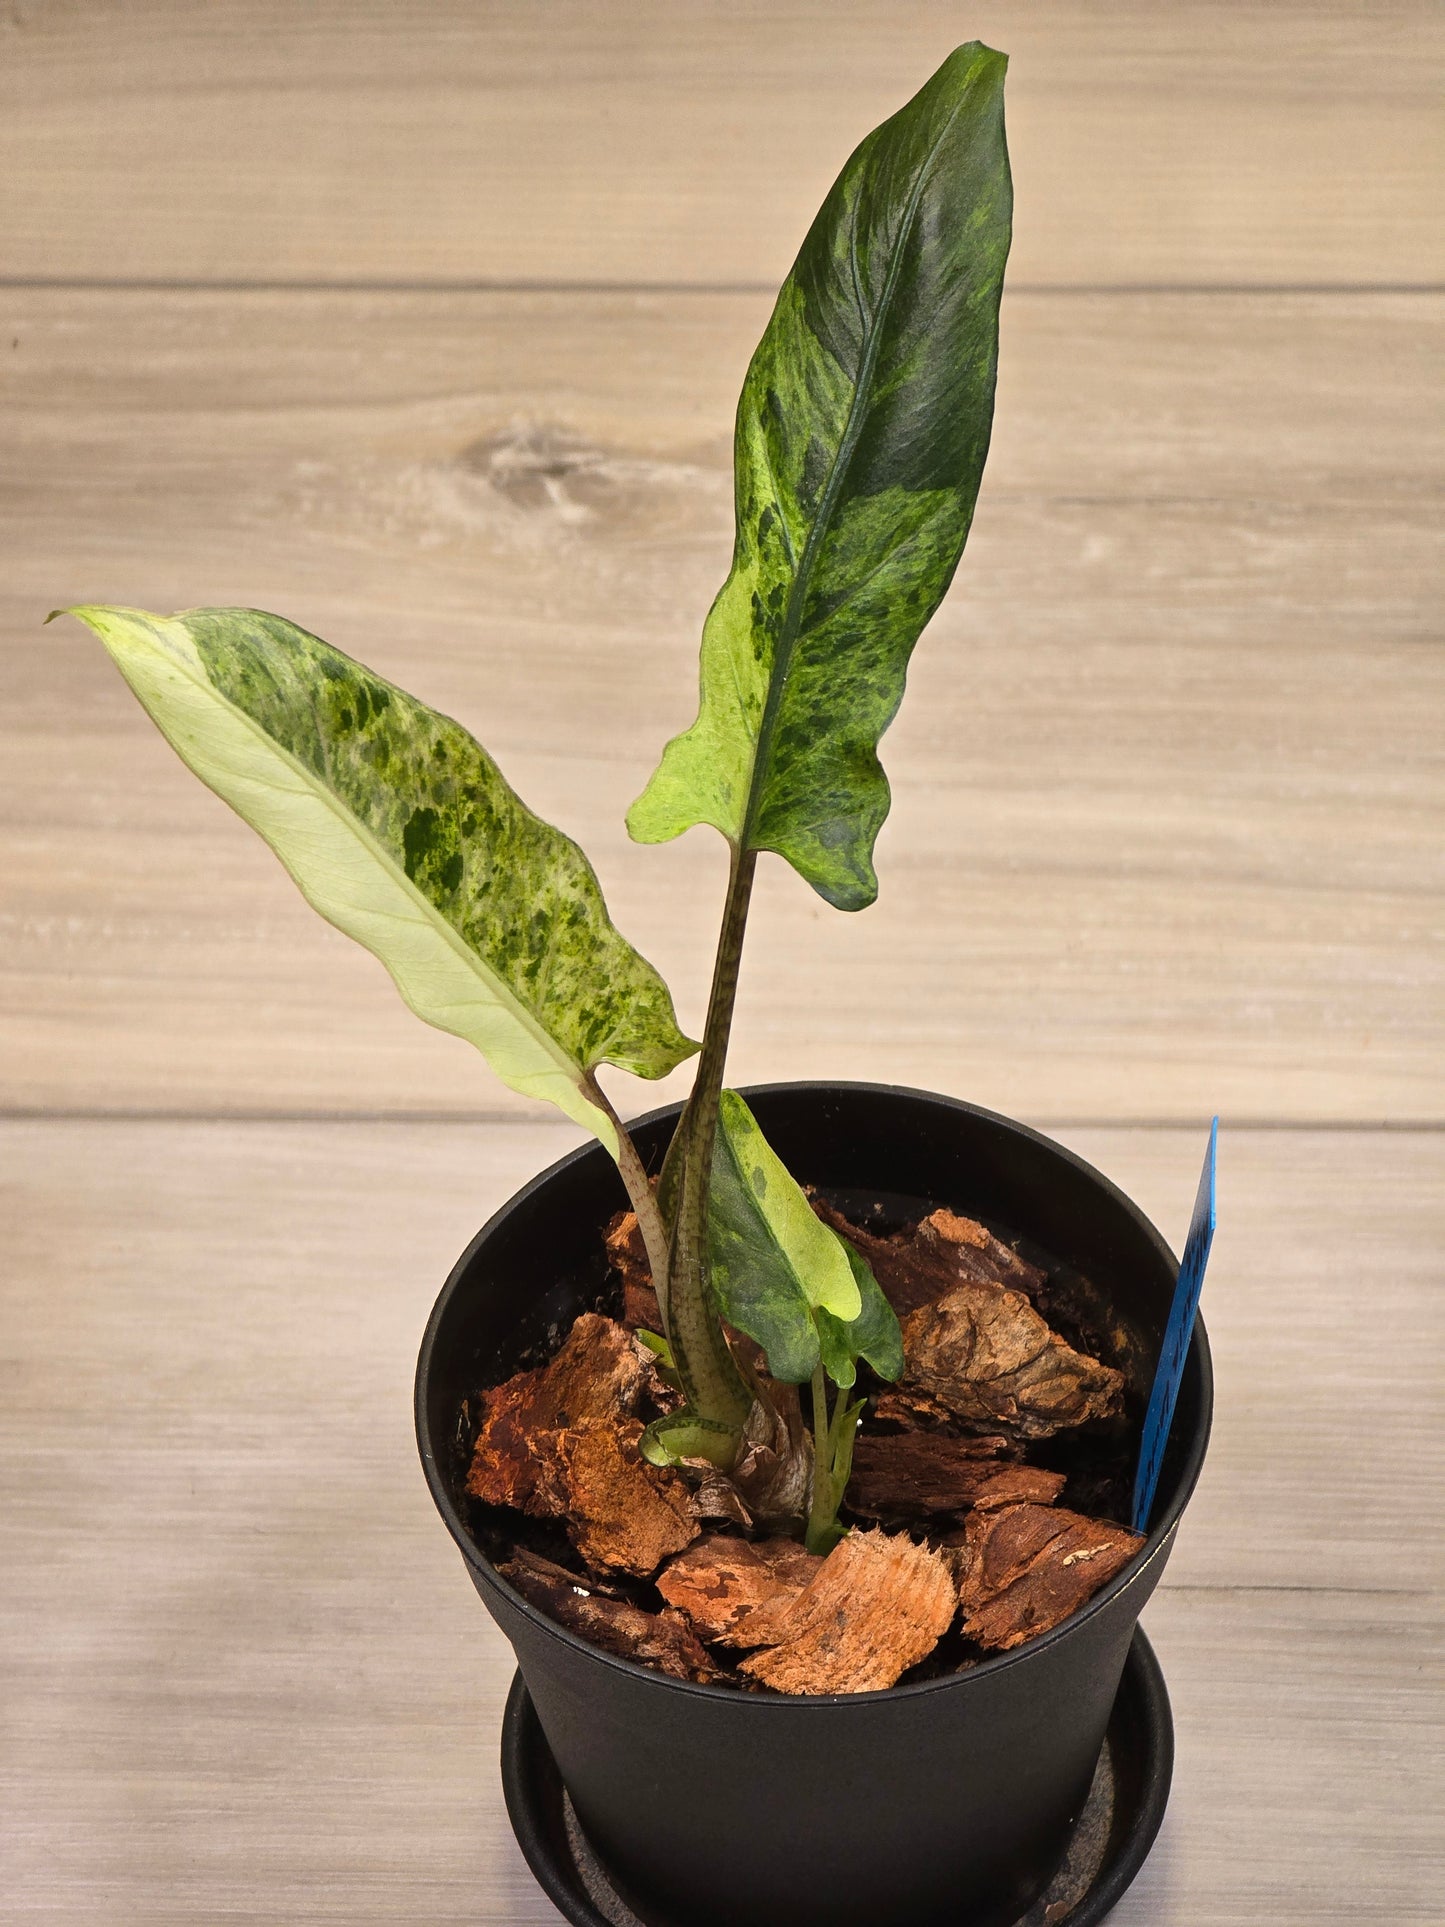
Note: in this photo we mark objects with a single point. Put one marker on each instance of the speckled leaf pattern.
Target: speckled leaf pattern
(400, 829)
(773, 1262)
(860, 442)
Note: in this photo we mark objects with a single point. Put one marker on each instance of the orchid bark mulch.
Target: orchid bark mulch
(978, 1506)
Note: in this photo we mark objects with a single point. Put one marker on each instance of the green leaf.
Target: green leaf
(861, 435)
(683, 1435)
(658, 1346)
(399, 828)
(773, 1262)
(873, 1334)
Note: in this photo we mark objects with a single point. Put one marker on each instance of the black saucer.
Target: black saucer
(1110, 1842)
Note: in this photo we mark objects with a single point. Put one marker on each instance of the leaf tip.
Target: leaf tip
(636, 821)
(855, 892)
(648, 822)
(85, 612)
(98, 616)
(977, 54)
(647, 819)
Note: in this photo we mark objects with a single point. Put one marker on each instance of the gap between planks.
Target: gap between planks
(90, 284)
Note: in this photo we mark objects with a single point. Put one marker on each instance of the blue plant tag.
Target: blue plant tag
(1178, 1333)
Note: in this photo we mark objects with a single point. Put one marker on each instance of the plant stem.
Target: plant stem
(832, 1462)
(640, 1192)
(823, 1505)
(841, 1440)
(714, 1387)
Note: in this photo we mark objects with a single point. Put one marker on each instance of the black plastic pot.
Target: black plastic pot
(948, 1801)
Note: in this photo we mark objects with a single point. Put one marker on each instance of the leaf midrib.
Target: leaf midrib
(837, 475)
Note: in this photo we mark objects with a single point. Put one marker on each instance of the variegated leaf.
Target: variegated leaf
(400, 829)
(861, 436)
(779, 1273)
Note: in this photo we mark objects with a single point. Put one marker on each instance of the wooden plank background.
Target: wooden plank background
(647, 142)
(424, 325)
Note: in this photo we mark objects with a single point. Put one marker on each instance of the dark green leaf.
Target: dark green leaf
(861, 436)
(873, 1334)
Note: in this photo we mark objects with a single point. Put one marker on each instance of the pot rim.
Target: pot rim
(1155, 1545)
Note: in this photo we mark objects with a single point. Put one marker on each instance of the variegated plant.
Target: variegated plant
(861, 435)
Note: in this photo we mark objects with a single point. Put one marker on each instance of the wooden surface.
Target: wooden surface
(650, 142)
(1167, 783)
(424, 325)
(247, 1678)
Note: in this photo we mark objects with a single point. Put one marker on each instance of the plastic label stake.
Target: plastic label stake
(1177, 1334)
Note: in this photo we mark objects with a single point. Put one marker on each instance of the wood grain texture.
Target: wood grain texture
(649, 141)
(1167, 780)
(244, 1675)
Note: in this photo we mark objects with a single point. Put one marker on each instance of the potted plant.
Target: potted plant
(782, 1432)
